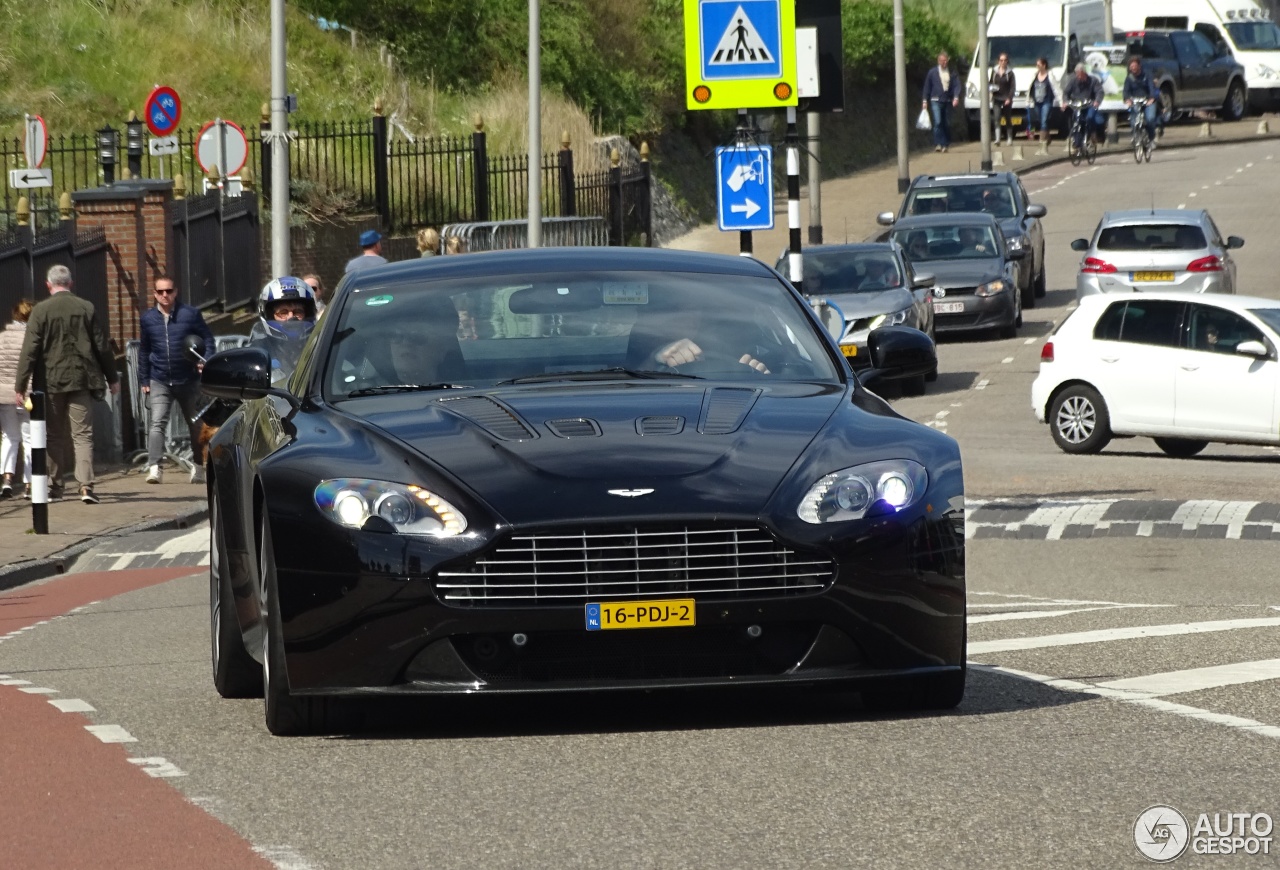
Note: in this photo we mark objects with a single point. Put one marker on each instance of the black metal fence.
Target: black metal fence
(26, 255)
(216, 249)
(407, 183)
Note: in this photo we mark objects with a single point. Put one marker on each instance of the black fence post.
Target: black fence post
(381, 194)
(480, 170)
(39, 466)
(646, 198)
(617, 232)
(264, 151)
(568, 196)
(67, 217)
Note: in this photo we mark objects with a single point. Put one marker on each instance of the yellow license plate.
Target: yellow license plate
(849, 350)
(669, 613)
(1153, 276)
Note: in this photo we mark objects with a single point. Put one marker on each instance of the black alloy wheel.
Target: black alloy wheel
(1078, 420)
(1041, 282)
(1234, 105)
(1181, 448)
(235, 673)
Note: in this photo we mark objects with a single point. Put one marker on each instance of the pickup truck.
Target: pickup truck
(1191, 72)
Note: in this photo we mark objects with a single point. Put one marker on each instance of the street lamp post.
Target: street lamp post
(1113, 126)
(279, 146)
(984, 87)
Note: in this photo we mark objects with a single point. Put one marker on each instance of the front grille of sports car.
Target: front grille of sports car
(559, 568)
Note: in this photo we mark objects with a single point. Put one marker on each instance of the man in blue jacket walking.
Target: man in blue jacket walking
(166, 375)
(941, 95)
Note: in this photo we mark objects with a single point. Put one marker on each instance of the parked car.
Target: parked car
(974, 271)
(1000, 194)
(1182, 368)
(420, 515)
(1191, 71)
(873, 285)
(1156, 249)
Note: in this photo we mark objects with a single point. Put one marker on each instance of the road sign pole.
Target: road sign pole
(815, 180)
(796, 261)
(900, 96)
(221, 128)
(744, 236)
(984, 90)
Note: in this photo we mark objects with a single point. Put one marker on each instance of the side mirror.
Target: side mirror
(1036, 211)
(191, 346)
(923, 281)
(241, 373)
(1080, 245)
(1234, 242)
(885, 218)
(831, 316)
(901, 352)
(1253, 348)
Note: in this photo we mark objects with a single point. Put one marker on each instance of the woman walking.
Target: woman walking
(15, 421)
(1041, 96)
(1003, 86)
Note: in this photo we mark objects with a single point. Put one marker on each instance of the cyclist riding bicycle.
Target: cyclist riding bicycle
(1084, 88)
(1140, 86)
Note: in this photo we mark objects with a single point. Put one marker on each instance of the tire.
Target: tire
(1233, 107)
(1078, 420)
(1138, 149)
(235, 673)
(1166, 106)
(931, 375)
(1090, 150)
(1074, 151)
(1028, 294)
(1148, 148)
(288, 714)
(1181, 448)
(1041, 282)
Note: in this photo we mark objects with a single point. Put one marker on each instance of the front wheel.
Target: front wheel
(1074, 150)
(1181, 448)
(1079, 421)
(235, 673)
(1090, 149)
(1042, 283)
(1234, 106)
(1139, 147)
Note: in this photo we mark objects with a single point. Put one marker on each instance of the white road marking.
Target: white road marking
(12, 682)
(285, 858)
(1006, 360)
(982, 384)
(1145, 528)
(158, 767)
(111, 734)
(1248, 165)
(1250, 725)
(1032, 600)
(1105, 635)
(1182, 205)
(72, 705)
(1030, 341)
(1193, 193)
(1039, 614)
(38, 690)
(1058, 516)
(1198, 679)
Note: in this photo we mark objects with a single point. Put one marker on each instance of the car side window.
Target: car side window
(1151, 321)
(1216, 330)
(1108, 326)
(1204, 46)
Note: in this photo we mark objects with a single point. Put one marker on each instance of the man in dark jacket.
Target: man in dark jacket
(1084, 88)
(941, 95)
(65, 353)
(1138, 85)
(167, 376)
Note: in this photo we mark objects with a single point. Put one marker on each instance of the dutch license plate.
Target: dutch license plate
(669, 613)
(849, 350)
(948, 307)
(1152, 276)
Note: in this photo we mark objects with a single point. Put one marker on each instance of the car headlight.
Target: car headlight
(991, 288)
(1015, 243)
(410, 509)
(893, 319)
(850, 493)
(972, 91)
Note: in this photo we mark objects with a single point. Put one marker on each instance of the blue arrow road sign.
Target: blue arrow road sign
(741, 39)
(744, 187)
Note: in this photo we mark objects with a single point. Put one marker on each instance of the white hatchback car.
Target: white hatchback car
(1182, 368)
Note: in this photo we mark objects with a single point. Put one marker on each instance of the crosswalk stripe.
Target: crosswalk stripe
(1197, 679)
(1110, 634)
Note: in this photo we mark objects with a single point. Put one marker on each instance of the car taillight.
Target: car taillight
(1097, 267)
(1046, 352)
(1205, 264)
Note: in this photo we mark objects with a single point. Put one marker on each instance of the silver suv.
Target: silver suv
(1156, 249)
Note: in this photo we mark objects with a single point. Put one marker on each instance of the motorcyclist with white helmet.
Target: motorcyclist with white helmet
(286, 316)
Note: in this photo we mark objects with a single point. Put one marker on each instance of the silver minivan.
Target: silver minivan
(1156, 249)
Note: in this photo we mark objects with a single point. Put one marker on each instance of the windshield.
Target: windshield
(1026, 50)
(955, 242)
(1269, 316)
(994, 199)
(1152, 237)
(1255, 35)
(475, 332)
(847, 272)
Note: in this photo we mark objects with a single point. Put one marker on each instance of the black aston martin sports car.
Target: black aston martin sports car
(578, 469)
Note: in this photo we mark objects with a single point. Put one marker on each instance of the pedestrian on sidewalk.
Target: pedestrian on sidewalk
(428, 242)
(323, 295)
(166, 376)
(15, 420)
(370, 252)
(941, 95)
(1003, 85)
(1042, 94)
(65, 353)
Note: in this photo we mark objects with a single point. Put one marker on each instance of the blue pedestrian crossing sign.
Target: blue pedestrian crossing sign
(744, 187)
(740, 54)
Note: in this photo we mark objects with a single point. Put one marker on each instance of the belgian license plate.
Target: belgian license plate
(849, 350)
(948, 307)
(669, 613)
(1152, 276)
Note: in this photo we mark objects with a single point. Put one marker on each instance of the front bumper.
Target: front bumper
(979, 312)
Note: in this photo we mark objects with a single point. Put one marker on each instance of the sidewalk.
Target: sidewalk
(850, 204)
(129, 505)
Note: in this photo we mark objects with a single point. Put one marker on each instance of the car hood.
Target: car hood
(859, 305)
(962, 273)
(554, 452)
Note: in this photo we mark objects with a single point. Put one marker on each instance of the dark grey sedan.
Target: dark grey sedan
(873, 285)
(975, 273)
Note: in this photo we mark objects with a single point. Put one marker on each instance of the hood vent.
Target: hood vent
(724, 409)
(660, 425)
(493, 416)
(574, 427)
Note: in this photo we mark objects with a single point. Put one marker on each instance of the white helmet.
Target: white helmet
(287, 289)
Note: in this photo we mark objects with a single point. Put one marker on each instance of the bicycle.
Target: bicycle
(1143, 141)
(1080, 141)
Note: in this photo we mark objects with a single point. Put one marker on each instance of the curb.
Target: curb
(1172, 146)
(22, 573)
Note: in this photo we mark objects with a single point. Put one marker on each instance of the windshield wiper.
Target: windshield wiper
(403, 388)
(596, 375)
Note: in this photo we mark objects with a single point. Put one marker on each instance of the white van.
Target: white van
(1243, 26)
(1031, 29)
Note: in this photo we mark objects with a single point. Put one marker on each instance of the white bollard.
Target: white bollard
(1263, 128)
(1206, 130)
(997, 158)
(1017, 153)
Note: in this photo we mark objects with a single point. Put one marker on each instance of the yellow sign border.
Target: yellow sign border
(740, 93)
